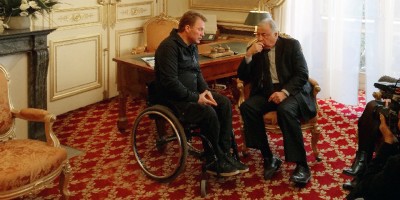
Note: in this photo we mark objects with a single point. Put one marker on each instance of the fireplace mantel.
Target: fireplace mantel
(34, 43)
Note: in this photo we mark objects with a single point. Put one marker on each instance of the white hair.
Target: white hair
(271, 23)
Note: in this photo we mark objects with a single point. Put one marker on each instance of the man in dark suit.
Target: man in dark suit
(277, 70)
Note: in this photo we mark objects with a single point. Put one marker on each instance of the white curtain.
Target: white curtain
(382, 38)
(330, 34)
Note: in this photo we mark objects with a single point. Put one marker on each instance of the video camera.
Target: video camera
(390, 105)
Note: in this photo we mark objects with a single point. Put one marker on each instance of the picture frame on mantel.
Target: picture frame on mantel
(226, 5)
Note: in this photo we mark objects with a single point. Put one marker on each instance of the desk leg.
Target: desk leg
(122, 120)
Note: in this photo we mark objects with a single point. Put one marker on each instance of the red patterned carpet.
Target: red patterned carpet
(108, 169)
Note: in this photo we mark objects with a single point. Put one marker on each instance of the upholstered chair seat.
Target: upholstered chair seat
(25, 161)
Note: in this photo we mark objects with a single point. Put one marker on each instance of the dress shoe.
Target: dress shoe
(351, 184)
(359, 164)
(301, 175)
(271, 165)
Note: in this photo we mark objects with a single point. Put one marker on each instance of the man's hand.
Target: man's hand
(206, 98)
(387, 134)
(277, 97)
(255, 48)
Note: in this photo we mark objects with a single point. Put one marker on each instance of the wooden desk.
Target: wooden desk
(133, 73)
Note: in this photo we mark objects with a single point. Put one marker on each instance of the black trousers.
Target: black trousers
(288, 113)
(215, 122)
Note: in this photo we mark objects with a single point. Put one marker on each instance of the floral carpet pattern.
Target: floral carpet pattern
(108, 169)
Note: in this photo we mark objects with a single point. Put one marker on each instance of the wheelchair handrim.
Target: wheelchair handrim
(178, 138)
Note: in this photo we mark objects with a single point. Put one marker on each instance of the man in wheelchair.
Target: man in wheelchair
(180, 84)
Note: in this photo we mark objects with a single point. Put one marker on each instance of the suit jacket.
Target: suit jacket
(292, 72)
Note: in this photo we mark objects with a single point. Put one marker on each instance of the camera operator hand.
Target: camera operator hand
(387, 134)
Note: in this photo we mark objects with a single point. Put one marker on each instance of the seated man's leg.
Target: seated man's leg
(206, 117)
(368, 134)
(224, 112)
(288, 119)
(252, 111)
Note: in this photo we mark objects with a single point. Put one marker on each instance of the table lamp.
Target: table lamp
(255, 16)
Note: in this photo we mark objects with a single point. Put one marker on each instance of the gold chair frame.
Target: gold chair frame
(7, 134)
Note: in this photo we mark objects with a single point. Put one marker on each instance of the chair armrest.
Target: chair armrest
(31, 114)
(39, 115)
(315, 86)
(244, 90)
(240, 87)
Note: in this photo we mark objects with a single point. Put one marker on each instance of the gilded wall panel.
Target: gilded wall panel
(126, 39)
(76, 66)
(77, 17)
(134, 10)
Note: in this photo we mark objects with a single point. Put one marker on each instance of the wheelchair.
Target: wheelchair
(162, 142)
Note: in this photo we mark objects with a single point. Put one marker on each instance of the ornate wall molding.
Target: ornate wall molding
(123, 33)
(61, 47)
(134, 10)
(77, 17)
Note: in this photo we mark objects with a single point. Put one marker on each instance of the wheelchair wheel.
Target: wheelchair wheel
(159, 143)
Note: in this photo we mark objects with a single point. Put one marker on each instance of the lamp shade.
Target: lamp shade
(254, 17)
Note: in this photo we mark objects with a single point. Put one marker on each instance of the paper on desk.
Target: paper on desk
(150, 61)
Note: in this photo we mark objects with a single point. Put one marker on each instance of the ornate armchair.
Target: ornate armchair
(28, 166)
(270, 118)
(155, 31)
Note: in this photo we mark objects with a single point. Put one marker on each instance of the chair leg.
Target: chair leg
(244, 147)
(234, 146)
(65, 177)
(315, 132)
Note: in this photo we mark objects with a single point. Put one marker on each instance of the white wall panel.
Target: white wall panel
(76, 67)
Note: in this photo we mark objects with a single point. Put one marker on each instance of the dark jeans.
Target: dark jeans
(215, 122)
